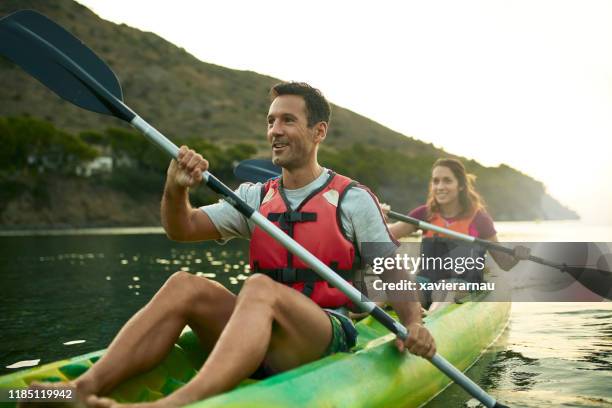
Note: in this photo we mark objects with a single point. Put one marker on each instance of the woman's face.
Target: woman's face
(444, 185)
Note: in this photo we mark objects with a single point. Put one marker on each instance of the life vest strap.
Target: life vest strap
(295, 275)
(290, 217)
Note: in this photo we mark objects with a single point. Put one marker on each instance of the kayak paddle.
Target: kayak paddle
(66, 66)
(598, 281)
(256, 170)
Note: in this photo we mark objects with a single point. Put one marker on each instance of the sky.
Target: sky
(525, 83)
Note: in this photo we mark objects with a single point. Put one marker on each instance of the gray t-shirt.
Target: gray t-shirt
(359, 213)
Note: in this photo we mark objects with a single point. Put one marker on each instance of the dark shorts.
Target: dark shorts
(344, 337)
(344, 334)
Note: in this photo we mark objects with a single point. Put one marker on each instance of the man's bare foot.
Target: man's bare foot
(48, 395)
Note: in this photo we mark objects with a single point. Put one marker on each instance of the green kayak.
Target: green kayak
(373, 375)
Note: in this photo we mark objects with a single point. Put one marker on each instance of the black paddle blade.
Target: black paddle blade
(598, 281)
(256, 170)
(61, 62)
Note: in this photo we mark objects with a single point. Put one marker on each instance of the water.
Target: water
(552, 354)
(67, 294)
(60, 289)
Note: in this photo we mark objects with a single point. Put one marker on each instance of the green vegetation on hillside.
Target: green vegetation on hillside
(35, 150)
(37, 144)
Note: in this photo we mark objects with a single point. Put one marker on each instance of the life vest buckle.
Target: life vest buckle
(288, 275)
(290, 217)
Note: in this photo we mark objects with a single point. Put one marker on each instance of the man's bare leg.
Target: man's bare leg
(147, 337)
(272, 323)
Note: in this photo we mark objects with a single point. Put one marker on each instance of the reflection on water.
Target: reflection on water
(68, 295)
(65, 295)
(551, 346)
(551, 355)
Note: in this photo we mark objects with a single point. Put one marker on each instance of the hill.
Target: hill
(188, 99)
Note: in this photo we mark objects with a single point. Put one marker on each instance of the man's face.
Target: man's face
(293, 142)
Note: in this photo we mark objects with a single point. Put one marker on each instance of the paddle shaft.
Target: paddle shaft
(468, 238)
(117, 108)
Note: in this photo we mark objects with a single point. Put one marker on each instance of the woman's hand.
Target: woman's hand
(522, 252)
(385, 208)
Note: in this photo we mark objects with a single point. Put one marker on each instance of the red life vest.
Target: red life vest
(436, 245)
(316, 225)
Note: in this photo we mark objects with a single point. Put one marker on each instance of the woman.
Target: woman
(453, 203)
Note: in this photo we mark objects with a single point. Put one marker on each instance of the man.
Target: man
(285, 322)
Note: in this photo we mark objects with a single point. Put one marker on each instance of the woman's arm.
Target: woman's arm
(507, 261)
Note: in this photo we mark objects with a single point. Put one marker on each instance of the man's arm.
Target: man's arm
(181, 221)
(408, 308)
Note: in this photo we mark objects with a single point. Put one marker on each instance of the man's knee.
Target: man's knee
(179, 281)
(186, 288)
(259, 288)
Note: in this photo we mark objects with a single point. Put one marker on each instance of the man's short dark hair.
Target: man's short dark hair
(317, 107)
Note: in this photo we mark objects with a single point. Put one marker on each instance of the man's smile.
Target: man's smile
(279, 146)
